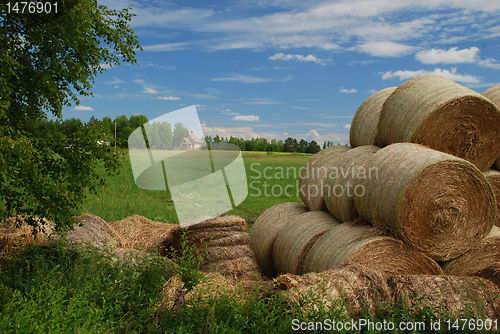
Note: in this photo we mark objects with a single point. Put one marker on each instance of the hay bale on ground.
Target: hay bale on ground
(93, 230)
(342, 184)
(364, 124)
(295, 240)
(482, 260)
(493, 94)
(224, 244)
(450, 293)
(355, 285)
(493, 177)
(142, 233)
(266, 229)
(312, 177)
(443, 115)
(359, 243)
(436, 202)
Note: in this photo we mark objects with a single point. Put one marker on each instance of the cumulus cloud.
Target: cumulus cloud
(309, 58)
(490, 63)
(83, 108)
(452, 75)
(168, 97)
(347, 126)
(105, 66)
(343, 90)
(386, 49)
(149, 90)
(313, 135)
(247, 118)
(452, 56)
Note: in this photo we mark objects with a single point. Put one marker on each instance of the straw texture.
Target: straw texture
(451, 293)
(358, 287)
(266, 229)
(312, 177)
(90, 229)
(482, 260)
(445, 116)
(436, 202)
(493, 177)
(493, 94)
(365, 122)
(358, 243)
(342, 184)
(295, 240)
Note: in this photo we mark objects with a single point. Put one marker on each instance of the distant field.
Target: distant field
(272, 179)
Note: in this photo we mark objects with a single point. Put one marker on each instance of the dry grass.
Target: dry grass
(443, 115)
(436, 202)
(365, 122)
(450, 293)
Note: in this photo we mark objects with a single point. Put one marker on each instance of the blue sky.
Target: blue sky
(287, 68)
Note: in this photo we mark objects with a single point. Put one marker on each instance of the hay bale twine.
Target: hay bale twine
(365, 121)
(312, 177)
(443, 115)
(359, 243)
(436, 202)
(447, 293)
(295, 240)
(142, 233)
(342, 183)
(224, 244)
(265, 230)
(358, 287)
(493, 177)
(482, 260)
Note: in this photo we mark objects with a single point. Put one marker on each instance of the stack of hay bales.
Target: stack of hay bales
(427, 202)
(493, 93)
(224, 244)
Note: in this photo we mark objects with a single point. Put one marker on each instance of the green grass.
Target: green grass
(122, 198)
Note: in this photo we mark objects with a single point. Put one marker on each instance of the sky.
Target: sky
(289, 68)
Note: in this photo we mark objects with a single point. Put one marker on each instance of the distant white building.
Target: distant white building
(191, 142)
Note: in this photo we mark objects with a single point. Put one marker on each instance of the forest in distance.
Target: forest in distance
(166, 136)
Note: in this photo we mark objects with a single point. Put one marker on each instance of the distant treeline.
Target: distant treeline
(164, 136)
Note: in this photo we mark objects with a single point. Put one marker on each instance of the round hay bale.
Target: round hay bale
(142, 233)
(358, 287)
(368, 246)
(365, 121)
(493, 94)
(482, 260)
(448, 293)
(436, 202)
(342, 183)
(443, 115)
(295, 240)
(312, 177)
(493, 177)
(266, 229)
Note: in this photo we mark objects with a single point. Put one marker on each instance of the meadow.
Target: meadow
(59, 289)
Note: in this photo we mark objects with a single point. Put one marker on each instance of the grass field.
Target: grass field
(272, 179)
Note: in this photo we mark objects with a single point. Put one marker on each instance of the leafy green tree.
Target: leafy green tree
(303, 146)
(180, 132)
(46, 62)
(290, 145)
(137, 120)
(166, 136)
(313, 147)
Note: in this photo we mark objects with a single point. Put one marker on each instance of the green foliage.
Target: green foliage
(180, 132)
(46, 61)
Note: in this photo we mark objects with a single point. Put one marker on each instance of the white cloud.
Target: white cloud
(204, 96)
(139, 81)
(309, 58)
(149, 90)
(227, 132)
(168, 97)
(114, 81)
(168, 47)
(452, 75)
(313, 135)
(250, 79)
(82, 108)
(386, 49)
(452, 56)
(105, 66)
(490, 63)
(248, 118)
(116, 87)
(343, 90)
(347, 126)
